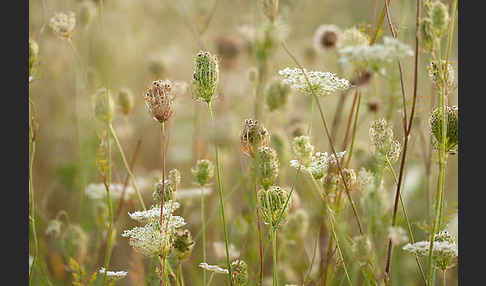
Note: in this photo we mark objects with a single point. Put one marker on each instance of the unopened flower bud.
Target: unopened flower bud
(277, 95)
(266, 166)
(203, 171)
(272, 204)
(159, 100)
(125, 100)
(183, 244)
(452, 135)
(205, 76)
(253, 135)
(104, 108)
(303, 149)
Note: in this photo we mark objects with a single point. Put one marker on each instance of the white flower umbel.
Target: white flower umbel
(98, 191)
(322, 83)
(213, 268)
(154, 214)
(113, 275)
(192, 193)
(62, 24)
(375, 56)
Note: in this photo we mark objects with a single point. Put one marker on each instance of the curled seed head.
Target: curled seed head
(277, 94)
(203, 171)
(253, 135)
(349, 177)
(267, 166)
(159, 100)
(62, 24)
(104, 107)
(125, 100)
(205, 76)
(183, 244)
(272, 204)
(452, 134)
(239, 272)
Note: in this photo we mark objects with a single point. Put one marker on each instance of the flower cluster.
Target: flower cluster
(320, 83)
(113, 275)
(384, 146)
(62, 24)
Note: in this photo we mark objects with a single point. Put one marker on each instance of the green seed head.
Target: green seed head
(203, 171)
(33, 56)
(277, 95)
(427, 33)
(439, 15)
(303, 149)
(183, 244)
(435, 122)
(253, 136)
(271, 203)
(104, 107)
(239, 272)
(205, 76)
(267, 166)
(171, 185)
(125, 100)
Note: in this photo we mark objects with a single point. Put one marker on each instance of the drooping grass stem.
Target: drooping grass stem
(220, 194)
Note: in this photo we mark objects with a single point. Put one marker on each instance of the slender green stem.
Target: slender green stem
(333, 230)
(32, 210)
(274, 252)
(134, 183)
(354, 132)
(313, 257)
(181, 276)
(107, 182)
(211, 278)
(203, 219)
(410, 233)
(444, 281)
(221, 202)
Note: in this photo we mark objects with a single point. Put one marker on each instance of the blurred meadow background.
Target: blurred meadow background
(125, 45)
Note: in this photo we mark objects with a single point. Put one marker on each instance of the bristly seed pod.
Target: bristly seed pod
(239, 272)
(253, 135)
(272, 204)
(277, 95)
(439, 15)
(203, 171)
(125, 100)
(183, 244)
(104, 108)
(205, 76)
(266, 166)
(159, 100)
(452, 135)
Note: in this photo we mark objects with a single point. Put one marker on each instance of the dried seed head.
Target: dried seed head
(205, 76)
(266, 166)
(62, 24)
(277, 94)
(272, 204)
(228, 49)
(183, 244)
(253, 135)
(439, 15)
(239, 272)
(33, 56)
(362, 78)
(175, 178)
(436, 71)
(373, 104)
(203, 171)
(326, 37)
(435, 123)
(125, 100)
(349, 177)
(104, 108)
(303, 149)
(159, 100)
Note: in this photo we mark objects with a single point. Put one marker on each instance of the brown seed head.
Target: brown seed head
(159, 100)
(253, 136)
